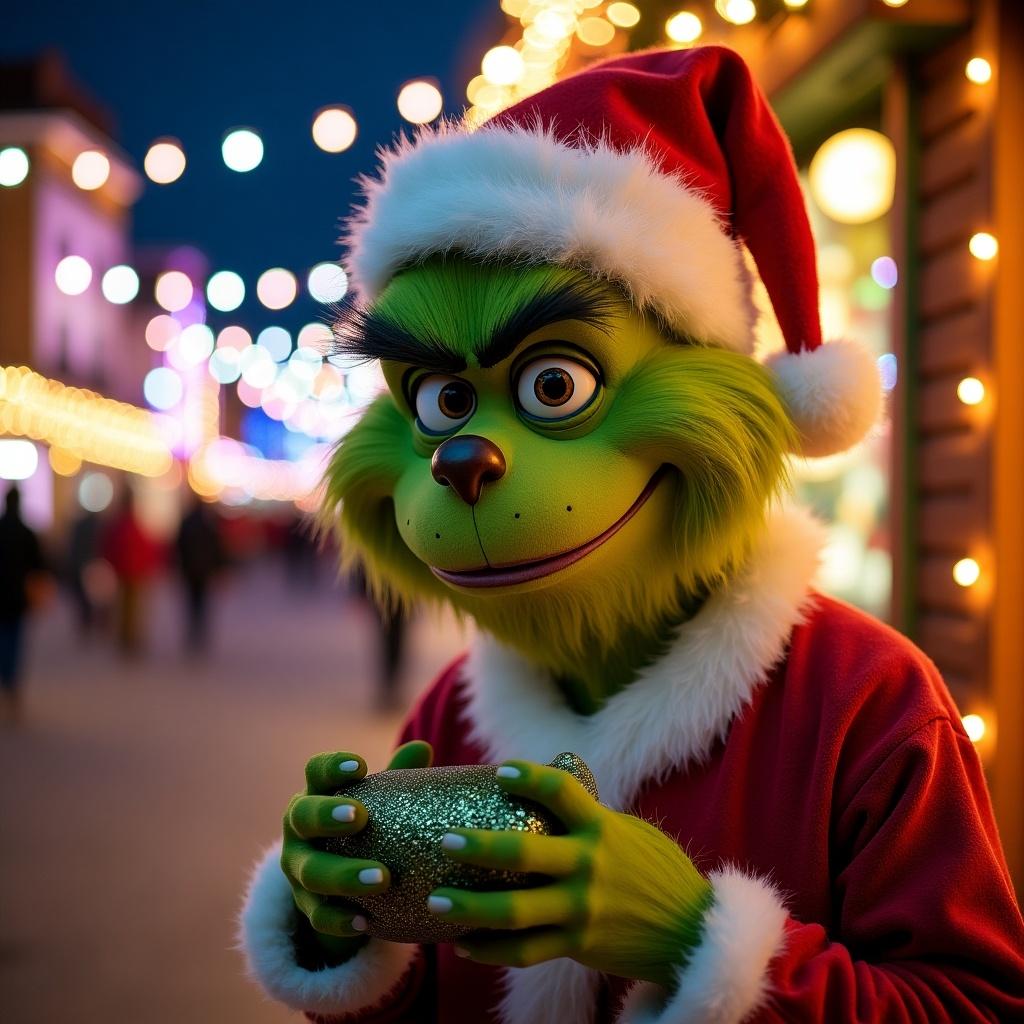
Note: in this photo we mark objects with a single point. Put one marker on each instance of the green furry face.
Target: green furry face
(633, 467)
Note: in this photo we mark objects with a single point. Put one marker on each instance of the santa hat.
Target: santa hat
(649, 170)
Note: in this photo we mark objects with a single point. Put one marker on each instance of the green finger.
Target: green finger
(331, 875)
(330, 919)
(327, 773)
(520, 950)
(553, 788)
(515, 851)
(415, 754)
(317, 817)
(512, 910)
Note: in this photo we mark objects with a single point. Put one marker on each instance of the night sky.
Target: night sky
(195, 70)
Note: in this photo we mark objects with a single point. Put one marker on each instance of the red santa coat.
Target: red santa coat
(808, 758)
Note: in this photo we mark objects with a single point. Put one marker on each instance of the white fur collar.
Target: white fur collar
(680, 705)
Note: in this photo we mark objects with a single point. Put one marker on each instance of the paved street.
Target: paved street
(135, 796)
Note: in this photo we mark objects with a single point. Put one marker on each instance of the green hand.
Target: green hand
(624, 898)
(320, 881)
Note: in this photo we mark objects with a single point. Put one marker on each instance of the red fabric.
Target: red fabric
(850, 782)
(703, 117)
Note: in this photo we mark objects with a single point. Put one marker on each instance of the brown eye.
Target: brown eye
(443, 404)
(555, 387)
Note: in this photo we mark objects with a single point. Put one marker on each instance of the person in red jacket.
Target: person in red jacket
(579, 450)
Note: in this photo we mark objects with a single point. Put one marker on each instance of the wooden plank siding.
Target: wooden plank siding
(953, 450)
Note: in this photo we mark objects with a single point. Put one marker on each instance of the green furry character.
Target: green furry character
(578, 450)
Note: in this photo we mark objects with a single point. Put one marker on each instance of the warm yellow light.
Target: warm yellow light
(276, 288)
(334, 129)
(622, 14)
(736, 12)
(895, 3)
(165, 161)
(684, 27)
(966, 572)
(419, 102)
(553, 25)
(502, 65)
(515, 8)
(63, 463)
(83, 424)
(595, 31)
(974, 726)
(978, 70)
(795, 5)
(983, 246)
(853, 176)
(970, 391)
(90, 170)
(173, 290)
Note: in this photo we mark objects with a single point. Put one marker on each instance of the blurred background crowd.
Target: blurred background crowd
(174, 641)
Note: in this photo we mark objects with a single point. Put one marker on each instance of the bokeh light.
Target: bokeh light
(966, 572)
(974, 726)
(334, 129)
(502, 65)
(95, 492)
(257, 367)
(595, 31)
(195, 344)
(90, 170)
(983, 246)
(419, 101)
(161, 331)
(120, 284)
(327, 282)
(19, 459)
(277, 341)
(622, 14)
(276, 288)
(970, 391)
(64, 463)
(242, 150)
(234, 337)
(225, 291)
(223, 365)
(173, 290)
(73, 275)
(884, 272)
(315, 336)
(684, 27)
(14, 165)
(853, 176)
(162, 388)
(978, 71)
(736, 12)
(248, 394)
(165, 161)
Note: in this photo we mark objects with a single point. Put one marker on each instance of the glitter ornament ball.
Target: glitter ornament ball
(409, 812)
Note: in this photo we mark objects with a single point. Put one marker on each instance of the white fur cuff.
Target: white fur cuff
(265, 936)
(726, 978)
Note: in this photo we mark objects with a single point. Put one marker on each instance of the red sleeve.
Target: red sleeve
(930, 926)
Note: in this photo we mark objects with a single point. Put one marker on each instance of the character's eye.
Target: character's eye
(443, 404)
(554, 387)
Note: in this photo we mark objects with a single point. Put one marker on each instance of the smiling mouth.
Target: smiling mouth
(523, 572)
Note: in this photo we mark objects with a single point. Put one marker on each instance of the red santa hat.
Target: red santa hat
(652, 170)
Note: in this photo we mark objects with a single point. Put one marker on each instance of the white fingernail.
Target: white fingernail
(452, 841)
(359, 923)
(371, 876)
(348, 766)
(344, 812)
(459, 951)
(439, 904)
(507, 771)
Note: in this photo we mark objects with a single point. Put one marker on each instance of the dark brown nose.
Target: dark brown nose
(467, 462)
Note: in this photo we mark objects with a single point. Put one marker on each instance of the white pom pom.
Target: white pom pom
(833, 394)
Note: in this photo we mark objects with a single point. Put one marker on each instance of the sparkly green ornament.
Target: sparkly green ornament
(410, 810)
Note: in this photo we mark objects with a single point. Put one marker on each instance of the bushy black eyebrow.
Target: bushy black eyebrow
(587, 301)
(367, 333)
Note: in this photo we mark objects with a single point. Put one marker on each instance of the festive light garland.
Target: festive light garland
(81, 423)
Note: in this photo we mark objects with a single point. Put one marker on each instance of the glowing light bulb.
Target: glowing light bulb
(622, 14)
(73, 275)
(853, 176)
(419, 101)
(90, 170)
(327, 282)
(684, 27)
(276, 288)
(14, 165)
(173, 290)
(983, 246)
(502, 65)
(978, 70)
(165, 161)
(242, 150)
(120, 284)
(736, 12)
(970, 391)
(225, 291)
(974, 726)
(334, 129)
(966, 572)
